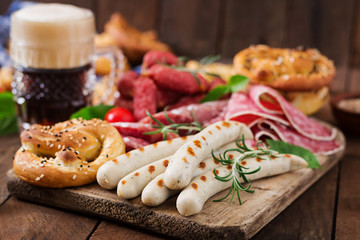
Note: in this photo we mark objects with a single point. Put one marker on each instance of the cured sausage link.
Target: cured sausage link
(191, 200)
(198, 148)
(111, 172)
(179, 81)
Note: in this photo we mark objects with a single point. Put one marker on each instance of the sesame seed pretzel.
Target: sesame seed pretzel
(285, 69)
(66, 154)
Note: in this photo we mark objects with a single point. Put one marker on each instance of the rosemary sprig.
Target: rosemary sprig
(172, 127)
(202, 63)
(239, 172)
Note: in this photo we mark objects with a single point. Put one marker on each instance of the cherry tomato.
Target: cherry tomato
(119, 114)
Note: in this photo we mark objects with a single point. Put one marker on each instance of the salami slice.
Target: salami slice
(274, 130)
(242, 109)
(299, 121)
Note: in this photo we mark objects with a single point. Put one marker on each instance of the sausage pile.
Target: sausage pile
(164, 82)
(185, 166)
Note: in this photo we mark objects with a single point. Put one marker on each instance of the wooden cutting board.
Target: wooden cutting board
(216, 220)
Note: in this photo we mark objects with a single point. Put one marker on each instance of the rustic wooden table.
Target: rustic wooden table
(330, 209)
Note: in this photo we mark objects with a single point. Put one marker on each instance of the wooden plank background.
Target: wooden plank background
(196, 28)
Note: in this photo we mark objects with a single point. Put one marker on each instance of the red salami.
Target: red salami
(290, 135)
(124, 103)
(137, 130)
(132, 143)
(179, 81)
(165, 97)
(126, 84)
(299, 121)
(202, 112)
(187, 100)
(144, 97)
(241, 108)
(155, 57)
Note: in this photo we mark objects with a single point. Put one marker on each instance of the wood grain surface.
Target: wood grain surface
(226, 220)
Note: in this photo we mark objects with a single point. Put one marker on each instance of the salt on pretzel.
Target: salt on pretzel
(66, 154)
(285, 69)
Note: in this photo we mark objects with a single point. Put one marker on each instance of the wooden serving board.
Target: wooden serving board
(216, 220)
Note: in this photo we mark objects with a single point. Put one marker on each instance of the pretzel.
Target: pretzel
(285, 69)
(66, 154)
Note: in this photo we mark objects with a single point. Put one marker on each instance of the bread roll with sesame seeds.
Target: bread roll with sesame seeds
(66, 154)
(192, 199)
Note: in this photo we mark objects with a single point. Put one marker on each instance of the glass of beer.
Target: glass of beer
(52, 46)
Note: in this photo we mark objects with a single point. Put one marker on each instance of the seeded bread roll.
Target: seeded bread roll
(285, 69)
(66, 154)
(302, 76)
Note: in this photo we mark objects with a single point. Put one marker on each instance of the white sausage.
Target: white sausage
(155, 192)
(132, 184)
(198, 148)
(111, 172)
(193, 197)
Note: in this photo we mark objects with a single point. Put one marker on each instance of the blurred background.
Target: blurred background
(196, 28)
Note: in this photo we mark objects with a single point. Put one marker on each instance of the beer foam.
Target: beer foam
(53, 13)
(52, 36)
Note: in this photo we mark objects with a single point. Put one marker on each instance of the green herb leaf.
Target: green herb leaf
(238, 172)
(209, 59)
(216, 93)
(235, 84)
(90, 112)
(287, 148)
(8, 123)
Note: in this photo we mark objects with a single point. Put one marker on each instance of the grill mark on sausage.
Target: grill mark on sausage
(160, 183)
(215, 161)
(151, 169)
(226, 124)
(190, 151)
(166, 163)
(197, 143)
